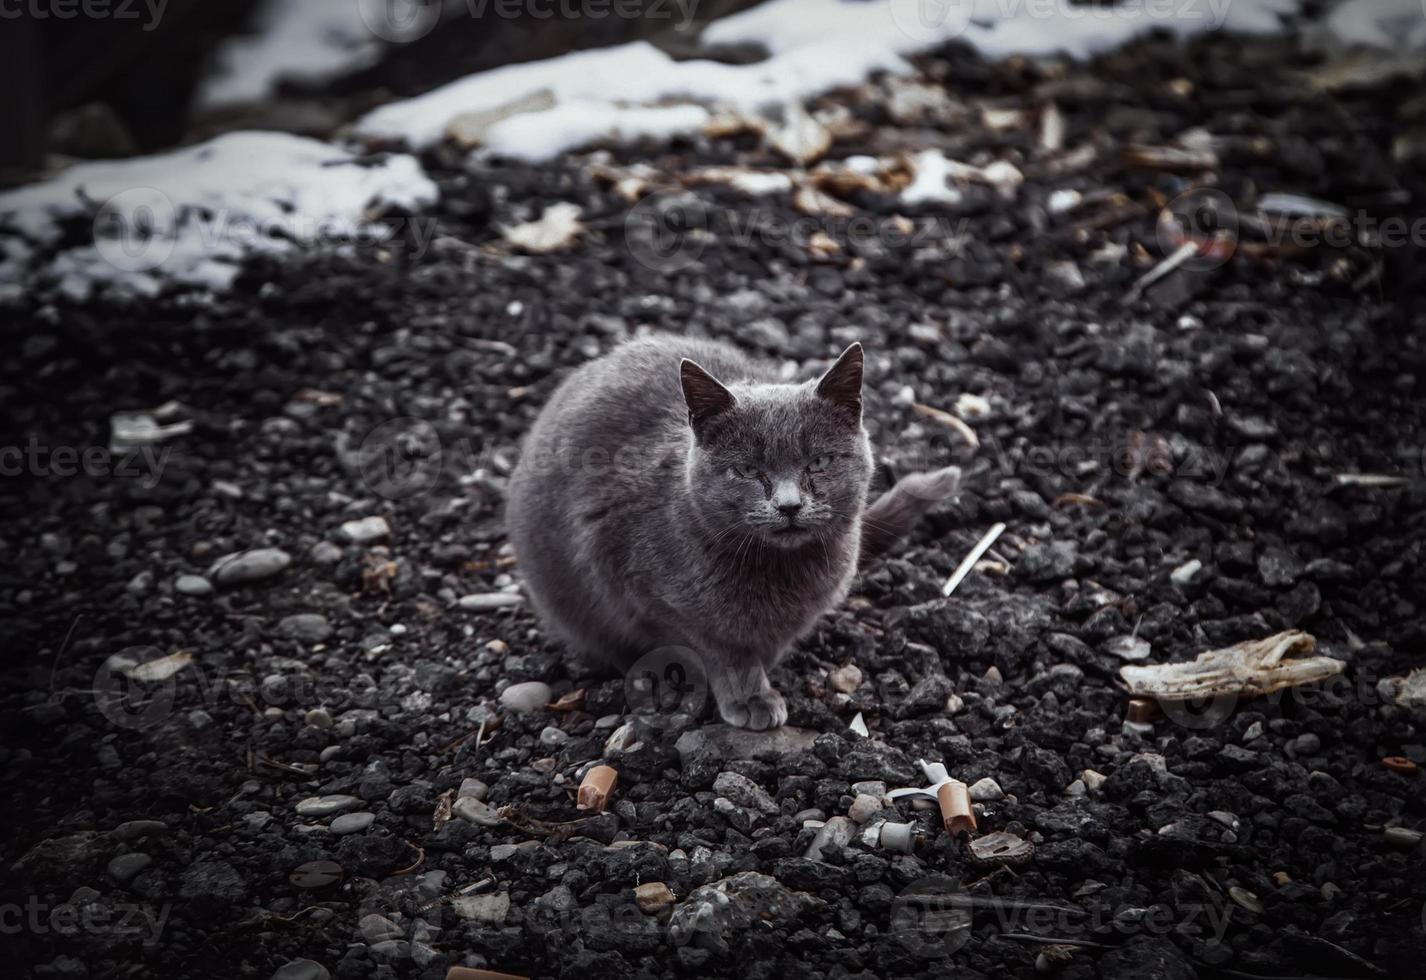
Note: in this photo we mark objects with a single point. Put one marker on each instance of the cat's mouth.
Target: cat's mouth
(790, 533)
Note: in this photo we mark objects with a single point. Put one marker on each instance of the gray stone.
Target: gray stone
(194, 585)
(301, 970)
(352, 823)
(249, 566)
(528, 696)
(744, 792)
(489, 601)
(715, 913)
(726, 742)
(125, 867)
(323, 806)
(365, 530)
(307, 627)
(476, 811)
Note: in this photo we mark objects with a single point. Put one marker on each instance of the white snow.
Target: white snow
(309, 41)
(191, 215)
(1392, 24)
(814, 45)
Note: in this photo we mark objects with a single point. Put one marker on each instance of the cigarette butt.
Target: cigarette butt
(956, 811)
(466, 973)
(898, 837)
(1141, 710)
(1399, 763)
(595, 789)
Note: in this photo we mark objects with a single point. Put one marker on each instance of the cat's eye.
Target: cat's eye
(746, 472)
(820, 463)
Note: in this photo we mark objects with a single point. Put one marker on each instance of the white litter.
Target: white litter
(968, 562)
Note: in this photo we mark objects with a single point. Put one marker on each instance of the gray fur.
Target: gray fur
(645, 510)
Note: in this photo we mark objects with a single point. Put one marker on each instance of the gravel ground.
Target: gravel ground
(340, 782)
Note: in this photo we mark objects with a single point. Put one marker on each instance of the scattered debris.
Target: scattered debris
(836, 832)
(968, 562)
(134, 430)
(1399, 763)
(153, 671)
(1368, 480)
(858, 725)
(316, 874)
(898, 837)
(1142, 711)
(799, 138)
(1408, 691)
(1249, 669)
(596, 788)
(846, 678)
(1175, 259)
(957, 813)
(557, 227)
(1246, 899)
(1128, 647)
(1001, 848)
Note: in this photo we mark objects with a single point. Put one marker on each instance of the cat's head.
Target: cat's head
(787, 464)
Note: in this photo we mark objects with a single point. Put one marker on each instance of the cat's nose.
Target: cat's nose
(787, 498)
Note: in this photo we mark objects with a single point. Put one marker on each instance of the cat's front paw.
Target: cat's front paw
(759, 712)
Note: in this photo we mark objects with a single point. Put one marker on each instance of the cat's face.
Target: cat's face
(786, 465)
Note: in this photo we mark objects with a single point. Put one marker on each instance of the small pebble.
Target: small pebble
(529, 696)
(194, 585)
(352, 823)
(653, 896)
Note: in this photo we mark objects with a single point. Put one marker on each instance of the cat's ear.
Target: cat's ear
(705, 395)
(842, 384)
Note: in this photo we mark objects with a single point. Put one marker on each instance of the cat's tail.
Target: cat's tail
(892, 515)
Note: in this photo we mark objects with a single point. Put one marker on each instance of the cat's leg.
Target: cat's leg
(892, 515)
(745, 697)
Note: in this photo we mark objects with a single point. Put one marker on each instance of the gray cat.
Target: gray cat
(657, 506)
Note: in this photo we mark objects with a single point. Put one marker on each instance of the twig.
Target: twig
(1178, 257)
(967, 563)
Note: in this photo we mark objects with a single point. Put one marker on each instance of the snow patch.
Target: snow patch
(190, 216)
(1392, 24)
(813, 45)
